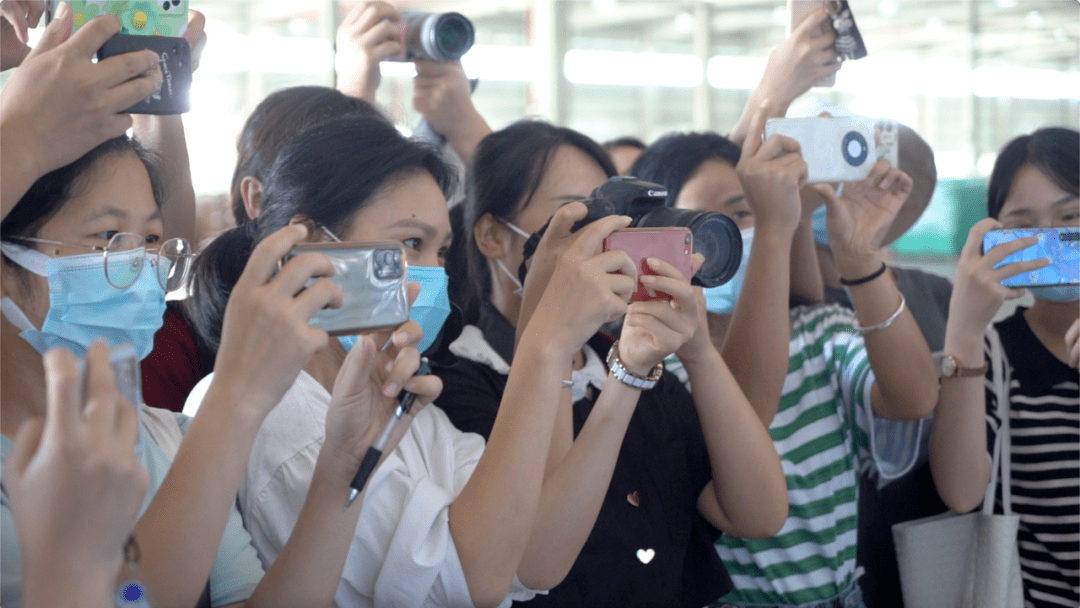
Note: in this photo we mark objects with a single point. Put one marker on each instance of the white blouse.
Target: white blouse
(402, 553)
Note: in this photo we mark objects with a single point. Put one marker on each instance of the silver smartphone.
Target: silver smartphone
(372, 278)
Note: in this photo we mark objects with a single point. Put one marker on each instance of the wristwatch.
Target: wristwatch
(617, 369)
(950, 368)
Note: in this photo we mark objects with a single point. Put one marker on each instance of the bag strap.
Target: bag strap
(1002, 449)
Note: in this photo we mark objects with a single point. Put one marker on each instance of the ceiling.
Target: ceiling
(1024, 33)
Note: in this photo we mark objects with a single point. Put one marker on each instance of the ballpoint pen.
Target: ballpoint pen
(375, 452)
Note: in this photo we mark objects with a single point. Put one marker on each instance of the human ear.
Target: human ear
(489, 234)
(251, 191)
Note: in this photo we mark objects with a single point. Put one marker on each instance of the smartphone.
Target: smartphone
(128, 375)
(1060, 245)
(137, 17)
(174, 96)
(841, 148)
(849, 42)
(672, 245)
(372, 279)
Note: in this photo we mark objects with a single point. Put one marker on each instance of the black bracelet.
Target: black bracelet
(870, 277)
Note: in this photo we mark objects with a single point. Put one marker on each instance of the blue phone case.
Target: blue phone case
(1060, 245)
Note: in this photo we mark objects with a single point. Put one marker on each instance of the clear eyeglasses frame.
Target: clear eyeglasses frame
(171, 260)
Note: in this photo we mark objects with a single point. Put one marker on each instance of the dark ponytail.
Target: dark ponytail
(327, 174)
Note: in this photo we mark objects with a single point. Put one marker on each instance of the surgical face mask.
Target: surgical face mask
(722, 298)
(1057, 293)
(83, 306)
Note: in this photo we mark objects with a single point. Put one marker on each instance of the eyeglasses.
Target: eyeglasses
(171, 260)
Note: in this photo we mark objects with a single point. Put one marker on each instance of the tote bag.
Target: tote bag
(972, 560)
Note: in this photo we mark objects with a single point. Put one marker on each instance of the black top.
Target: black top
(1044, 419)
(663, 466)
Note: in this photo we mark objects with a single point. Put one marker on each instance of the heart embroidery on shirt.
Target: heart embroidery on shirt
(645, 555)
(634, 498)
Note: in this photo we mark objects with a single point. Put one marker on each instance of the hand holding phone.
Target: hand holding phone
(1060, 245)
(372, 280)
(672, 245)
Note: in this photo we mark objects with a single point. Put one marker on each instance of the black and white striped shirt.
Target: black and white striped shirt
(1044, 433)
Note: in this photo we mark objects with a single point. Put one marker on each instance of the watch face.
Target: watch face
(948, 366)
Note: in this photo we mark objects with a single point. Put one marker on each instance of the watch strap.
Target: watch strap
(624, 375)
(964, 372)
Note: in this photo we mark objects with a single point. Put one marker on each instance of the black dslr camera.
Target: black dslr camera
(715, 236)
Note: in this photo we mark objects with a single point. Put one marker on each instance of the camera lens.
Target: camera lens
(715, 236)
(453, 35)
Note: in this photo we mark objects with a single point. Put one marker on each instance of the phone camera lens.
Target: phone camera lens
(854, 148)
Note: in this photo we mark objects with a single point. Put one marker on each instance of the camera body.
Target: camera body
(715, 236)
(372, 280)
(1060, 245)
(839, 149)
(434, 36)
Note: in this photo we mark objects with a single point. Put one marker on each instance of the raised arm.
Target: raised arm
(367, 35)
(747, 496)
(182, 528)
(905, 386)
(165, 136)
(802, 59)
(756, 346)
(442, 95)
(503, 496)
(959, 460)
(59, 104)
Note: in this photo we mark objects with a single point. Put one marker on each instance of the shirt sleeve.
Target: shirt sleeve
(236, 570)
(993, 421)
(887, 448)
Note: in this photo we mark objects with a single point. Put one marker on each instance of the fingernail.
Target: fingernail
(400, 338)
(653, 262)
(391, 389)
(648, 279)
(389, 366)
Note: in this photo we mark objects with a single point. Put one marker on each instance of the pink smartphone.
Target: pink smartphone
(672, 245)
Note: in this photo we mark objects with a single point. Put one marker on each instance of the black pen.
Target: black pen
(375, 452)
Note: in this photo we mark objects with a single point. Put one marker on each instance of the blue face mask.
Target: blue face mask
(83, 306)
(430, 309)
(721, 299)
(817, 222)
(1057, 293)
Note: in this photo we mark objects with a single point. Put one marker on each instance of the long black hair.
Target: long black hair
(505, 171)
(276, 120)
(328, 174)
(1054, 151)
(673, 158)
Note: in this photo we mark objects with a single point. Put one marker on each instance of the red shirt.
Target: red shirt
(172, 368)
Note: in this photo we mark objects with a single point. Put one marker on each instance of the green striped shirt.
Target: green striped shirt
(821, 433)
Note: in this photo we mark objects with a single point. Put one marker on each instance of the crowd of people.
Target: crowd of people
(743, 445)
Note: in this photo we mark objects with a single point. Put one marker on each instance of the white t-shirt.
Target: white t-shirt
(402, 553)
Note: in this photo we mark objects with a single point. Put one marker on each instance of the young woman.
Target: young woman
(636, 460)
(1034, 185)
(446, 520)
(180, 358)
(82, 260)
(818, 376)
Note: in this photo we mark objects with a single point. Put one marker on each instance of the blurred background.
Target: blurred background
(968, 75)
